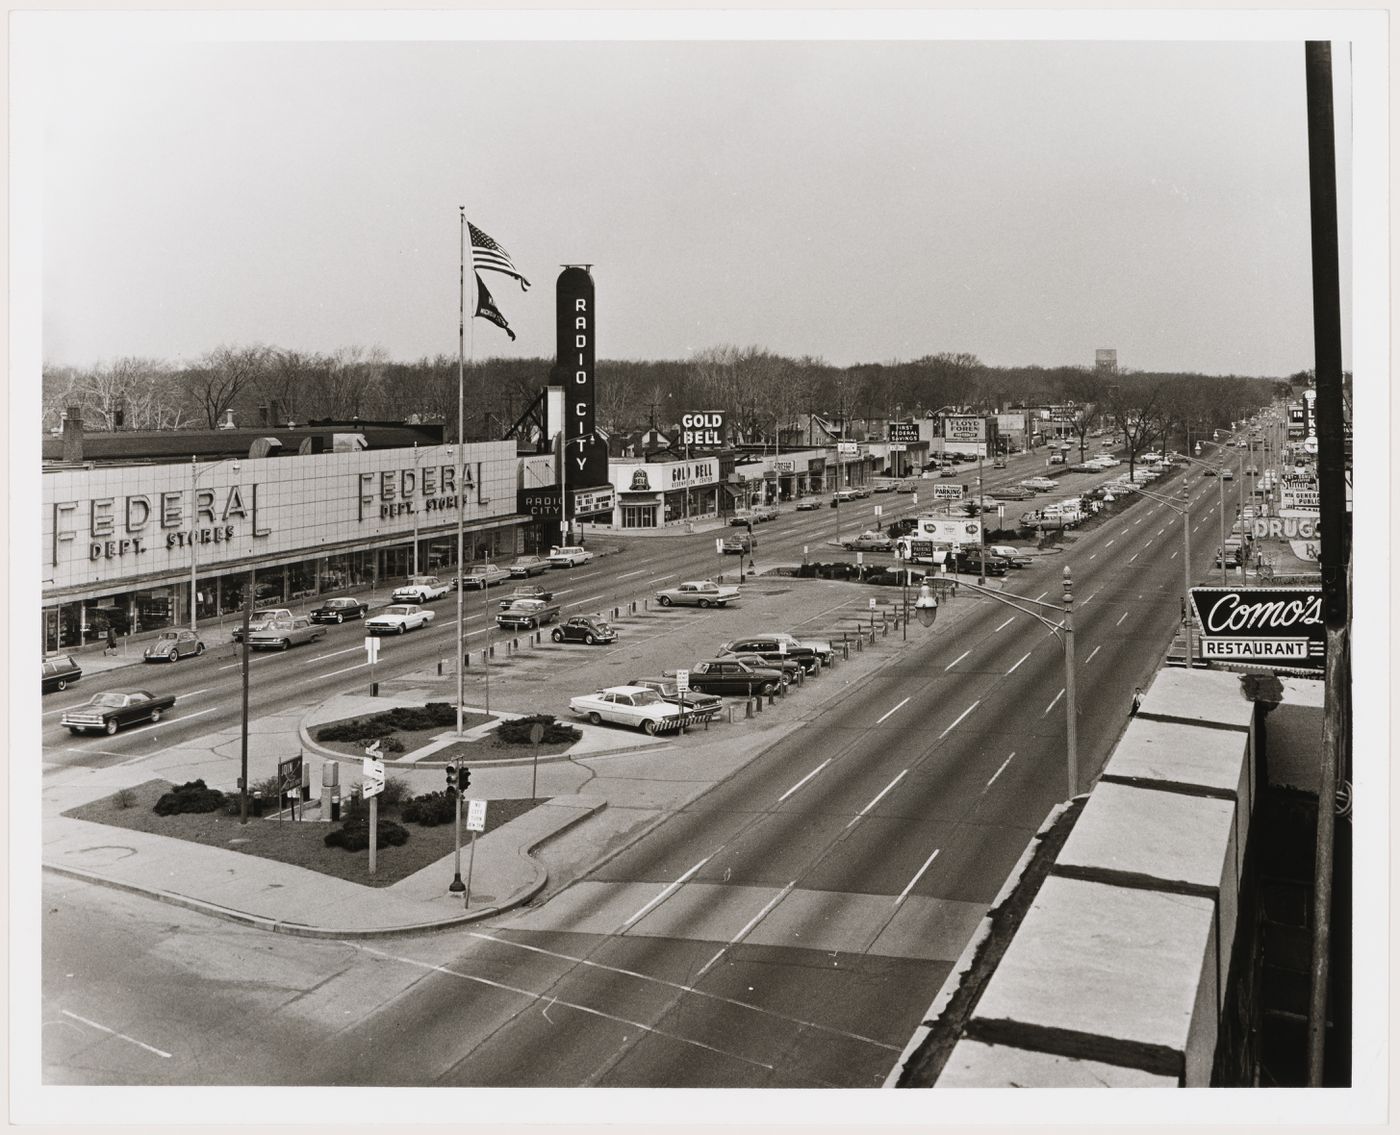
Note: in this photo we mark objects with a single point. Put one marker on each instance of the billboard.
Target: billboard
(965, 429)
(1262, 626)
(944, 530)
(703, 429)
(576, 332)
(905, 432)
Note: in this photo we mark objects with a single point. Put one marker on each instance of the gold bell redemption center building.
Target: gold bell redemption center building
(120, 540)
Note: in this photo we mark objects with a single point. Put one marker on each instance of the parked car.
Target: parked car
(1040, 484)
(338, 610)
(284, 633)
(789, 668)
(860, 491)
(526, 591)
(738, 545)
(774, 647)
(730, 676)
(1010, 494)
(570, 556)
(1013, 556)
(693, 701)
(903, 526)
(806, 504)
(633, 706)
(523, 567)
(108, 712)
(884, 486)
(527, 615)
(173, 645)
(868, 542)
(948, 471)
(841, 496)
(819, 646)
(742, 517)
(420, 589)
(971, 563)
(60, 672)
(908, 486)
(698, 593)
(584, 628)
(259, 620)
(482, 576)
(398, 619)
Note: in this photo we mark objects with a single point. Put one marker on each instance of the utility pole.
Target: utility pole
(1071, 703)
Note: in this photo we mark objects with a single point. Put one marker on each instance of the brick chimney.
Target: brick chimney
(73, 434)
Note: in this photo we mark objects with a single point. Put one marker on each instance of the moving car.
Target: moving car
(338, 610)
(693, 701)
(906, 486)
(1010, 494)
(108, 712)
(1013, 556)
(698, 593)
(741, 517)
(971, 563)
(523, 567)
(730, 676)
(634, 706)
(738, 545)
(527, 615)
(283, 633)
(172, 645)
(420, 589)
(526, 591)
(868, 542)
(773, 647)
(764, 512)
(1227, 474)
(1040, 484)
(60, 672)
(481, 577)
(948, 471)
(398, 619)
(260, 619)
(570, 556)
(806, 504)
(584, 628)
(841, 496)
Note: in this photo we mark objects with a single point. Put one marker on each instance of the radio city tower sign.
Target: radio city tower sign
(574, 371)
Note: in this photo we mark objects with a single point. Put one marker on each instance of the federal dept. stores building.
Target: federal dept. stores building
(119, 539)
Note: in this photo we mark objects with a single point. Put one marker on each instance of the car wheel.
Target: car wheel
(594, 719)
(401, 629)
(284, 644)
(704, 602)
(155, 716)
(557, 636)
(339, 618)
(174, 655)
(588, 638)
(786, 679)
(665, 600)
(198, 649)
(649, 727)
(62, 684)
(111, 728)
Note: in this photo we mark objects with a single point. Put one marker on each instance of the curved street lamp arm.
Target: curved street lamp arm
(1053, 628)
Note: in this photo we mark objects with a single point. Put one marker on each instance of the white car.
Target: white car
(806, 504)
(419, 589)
(399, 618)
(570, 556)
(634, 706)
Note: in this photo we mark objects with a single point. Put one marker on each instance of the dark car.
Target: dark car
(730, 676)
(526, 591)
(738, 545)
(790, 668)
(583, 628)
(693, 700)
(970, 563)
(772, 649)
(59, 672)
(108, 712)
(338, 610)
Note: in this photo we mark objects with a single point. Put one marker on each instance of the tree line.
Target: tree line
(764, 395)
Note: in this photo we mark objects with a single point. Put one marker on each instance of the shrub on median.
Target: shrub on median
(192, 796)
(517, 732)
(353, 835)
(430, 809)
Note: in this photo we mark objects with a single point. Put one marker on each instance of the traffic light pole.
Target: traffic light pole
(456, 886)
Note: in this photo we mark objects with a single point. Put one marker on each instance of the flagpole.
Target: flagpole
(461, 459)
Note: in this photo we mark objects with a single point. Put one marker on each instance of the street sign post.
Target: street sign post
(476, 822)
(373, 771)
(372, 653)
(289, 782)
(536, 736)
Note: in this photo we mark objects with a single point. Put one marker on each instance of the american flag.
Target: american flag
(487, 254)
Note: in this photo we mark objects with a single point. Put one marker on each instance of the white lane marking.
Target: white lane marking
(1173, 555)
(963, 714)
(335, 653)
(666, 892)
(99, 752)
(231, 665)
(1160, 531)
(896, 709)
(1017, 663)
(590, 599)
(904, 894)
(1092, 653)
(1053, 700)
(999, 771)
(1121, 617)
(1038, 598)
(187, 716)
(956, 660)
(804, 780)
(122, 1036)
(752, 922)
(876, 799)
(1134, 556)
(333, 673)
(1092, 555)
(194, 693)
(532, 995)
(1008, 622)
(626, 574)
(661, 578)
(1110, 541)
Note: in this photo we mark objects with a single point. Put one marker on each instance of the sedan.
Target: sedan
(738, 545)
(634, 706)
(906, 487)
(108, 712)
(868, 542)
(59, 672)
(172, 646)
(483, 576)
(789, 668)
(948, 471)
(730, 676)
(523, 567)
(806, 504)
(526, 591)
(285, 633)
(398, 619)
(338, 610)
(692, 700)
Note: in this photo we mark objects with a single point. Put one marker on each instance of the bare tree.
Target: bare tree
(223, 374)
(1134, 409)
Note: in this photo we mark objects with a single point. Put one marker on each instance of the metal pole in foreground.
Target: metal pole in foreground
(471, 862)
(243, 743)
(194, 509)
(457, 886)
(1071, 743)
(1186, 583)
(461, 460)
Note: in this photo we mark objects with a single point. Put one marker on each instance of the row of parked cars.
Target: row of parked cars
(757, 664)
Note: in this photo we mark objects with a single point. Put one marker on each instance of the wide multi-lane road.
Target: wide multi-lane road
(790, 927)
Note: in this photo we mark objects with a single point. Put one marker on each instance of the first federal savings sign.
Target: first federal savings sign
(1261, 626)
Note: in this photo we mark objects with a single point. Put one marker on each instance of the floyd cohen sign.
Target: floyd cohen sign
(1261, 626)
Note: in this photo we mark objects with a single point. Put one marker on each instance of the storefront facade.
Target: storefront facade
(660, 494)
(119, 540)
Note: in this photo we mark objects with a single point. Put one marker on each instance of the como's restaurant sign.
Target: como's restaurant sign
(1262, 626)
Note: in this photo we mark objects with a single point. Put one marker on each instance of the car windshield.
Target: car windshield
(168, 634)
(399, 611)
(109, 701)
(646, 697)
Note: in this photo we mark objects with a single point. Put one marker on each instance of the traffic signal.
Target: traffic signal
(464, 779)
(451, 780)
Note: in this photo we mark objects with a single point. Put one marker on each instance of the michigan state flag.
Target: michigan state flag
(486, 308)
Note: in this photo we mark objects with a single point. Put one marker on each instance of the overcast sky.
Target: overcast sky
(1026, 202)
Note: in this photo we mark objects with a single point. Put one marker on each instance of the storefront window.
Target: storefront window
(301, 579)
(232, 588)
(155, 609)
(639, 516)
(271, 588)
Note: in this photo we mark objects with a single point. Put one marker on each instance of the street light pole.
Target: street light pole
(415, 511)
(195, 471)
(1071, 737)
(1185, 511)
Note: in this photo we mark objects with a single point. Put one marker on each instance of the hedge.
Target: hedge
(192, 796)
(517, 731)
(353, 835)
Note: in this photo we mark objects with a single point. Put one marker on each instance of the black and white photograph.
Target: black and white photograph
(761, 552)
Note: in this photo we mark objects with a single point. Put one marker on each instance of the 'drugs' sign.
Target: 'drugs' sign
(1262, 626)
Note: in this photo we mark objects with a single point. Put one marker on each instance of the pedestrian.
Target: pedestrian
(1137, 702)
(111, 647)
